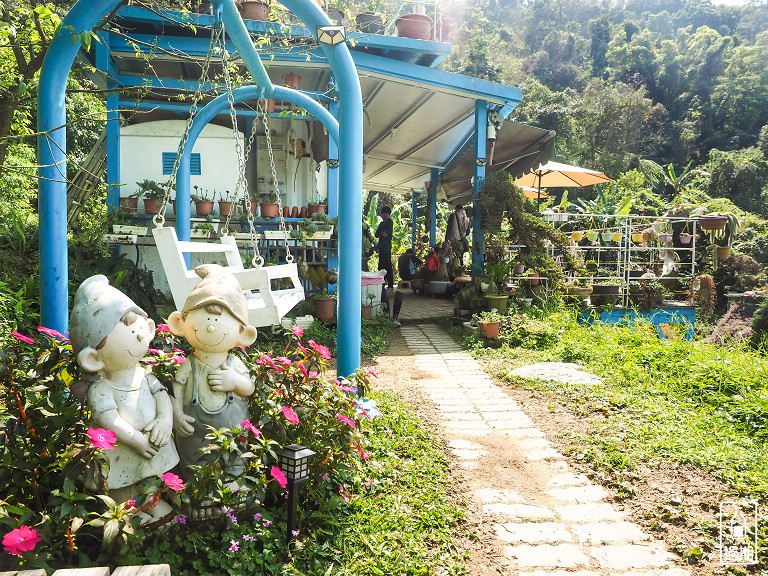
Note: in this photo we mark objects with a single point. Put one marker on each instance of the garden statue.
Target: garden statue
(110, 335)
(212, 387)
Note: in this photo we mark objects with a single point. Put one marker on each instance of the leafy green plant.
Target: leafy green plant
(487, 316)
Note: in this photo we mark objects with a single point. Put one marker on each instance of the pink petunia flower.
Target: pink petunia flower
(52, 333)
(290, 414)
(248, 426)
(279, 477)
(346, 419)
(297, 330)
(163, 328)
(100, 438)
(22, 338)
(173, 482)
(234, 546)
(320, 349)
(20, 540)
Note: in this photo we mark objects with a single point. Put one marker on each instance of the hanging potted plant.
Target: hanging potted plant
(665, 233)
(489, 323)
(203, 202)
(371, 21)
(577, 235)
(685, 236)
(268, 205)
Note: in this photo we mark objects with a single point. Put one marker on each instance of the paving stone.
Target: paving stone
(533, 444)
(524, 433)
(468, 416)
(609, 533)
(488, 495)
(588, 512)
(462, 444)
(510, 424)
(521, 511)
(560, 573)
(533, 533)
(469, 454)
(544, 555)
(629, 556)
(579, 494)
(455, 423)
(568, 479)
(542, 454)
(659, 572)
(469, 432)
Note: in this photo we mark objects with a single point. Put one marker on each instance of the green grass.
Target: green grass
(403, 523)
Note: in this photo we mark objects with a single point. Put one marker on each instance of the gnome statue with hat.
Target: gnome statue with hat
(110, 335)
(212, 387)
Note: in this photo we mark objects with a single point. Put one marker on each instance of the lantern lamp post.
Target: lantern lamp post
(294, 462)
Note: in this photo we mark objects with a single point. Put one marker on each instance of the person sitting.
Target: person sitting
(408, 265)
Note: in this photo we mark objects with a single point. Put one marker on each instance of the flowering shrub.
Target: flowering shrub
(51, 517)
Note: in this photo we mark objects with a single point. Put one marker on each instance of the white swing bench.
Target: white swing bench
(266, 306)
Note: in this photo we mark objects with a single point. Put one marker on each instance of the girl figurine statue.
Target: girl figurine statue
(110, 335)
(212, 387)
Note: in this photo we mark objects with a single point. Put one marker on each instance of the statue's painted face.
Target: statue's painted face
(211, 332)
(127, 343)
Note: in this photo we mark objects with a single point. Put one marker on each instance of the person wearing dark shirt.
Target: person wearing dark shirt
(408, 265)
(384, 234)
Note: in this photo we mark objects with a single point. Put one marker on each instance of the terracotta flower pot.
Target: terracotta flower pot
(712, 222)
(295, 212)
(367, 312)
(286, 211)
(417, 26)
(489, 329)
(723, 252)
(303, 212)
(130, 204)
(255, 10)
(204, 207)
(226, 208)
(324, 308)
(317, 208)
(151, 206)
(269, 210)
(292, 80)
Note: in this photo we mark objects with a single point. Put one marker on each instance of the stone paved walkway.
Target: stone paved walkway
(548, 519)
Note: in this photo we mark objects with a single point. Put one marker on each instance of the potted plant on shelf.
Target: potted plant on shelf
(417, 24)
(130, 203)
(203, 202)
(367, 310)
(152, 193)
(324, 305)
(255, 9)
(499, 273)
(646, 294)
(605, 292)
(268, 205)
(202, 230)
(372, 20)
(489, 323)
(576, 291)
(226, 206)
(320, 206)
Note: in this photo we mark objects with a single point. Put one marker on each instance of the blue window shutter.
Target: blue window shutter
(195, 165)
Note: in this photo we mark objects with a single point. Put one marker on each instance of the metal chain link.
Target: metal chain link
(159, 218)
(288, 255)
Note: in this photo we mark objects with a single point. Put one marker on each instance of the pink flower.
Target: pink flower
(360, 451)
(22, 539)
(283, 360)
(267, 523)
(303, 369)
(313, 374)
(248, 426)
(173, 482)
(368, 484)
(52, 333)
(178, 360)
(297, 330)
(320, 349)
(279, 477)
(234, 546)
(130, 503)
(153, 350)
(180, 519)
(264, 359)
(290, 414)
(325, 477)
(100, 438)
(22, 338)
(348, 421)
(344, 388)
(371, 371)
(163, 328)
(300, 347)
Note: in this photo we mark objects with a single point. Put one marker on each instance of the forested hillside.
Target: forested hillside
(672, 81)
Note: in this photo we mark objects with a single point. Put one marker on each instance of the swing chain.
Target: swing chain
(159, 218)
(283, 229)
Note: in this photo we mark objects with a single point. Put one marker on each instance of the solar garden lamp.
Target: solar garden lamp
(294, 463)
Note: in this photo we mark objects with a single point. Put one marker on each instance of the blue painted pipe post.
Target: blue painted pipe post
(52, 158)
(332, 178)
(434, 175)
(481, 127)
(113, 123)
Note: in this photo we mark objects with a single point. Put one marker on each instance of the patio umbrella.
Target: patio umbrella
(557, 175)
(533, 193)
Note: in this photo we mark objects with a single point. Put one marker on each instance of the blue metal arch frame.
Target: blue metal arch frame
(82, 18)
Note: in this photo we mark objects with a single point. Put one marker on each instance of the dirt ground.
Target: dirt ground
(677, 505)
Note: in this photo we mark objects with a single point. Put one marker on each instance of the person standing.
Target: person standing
(384, 234)
(458, 229)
